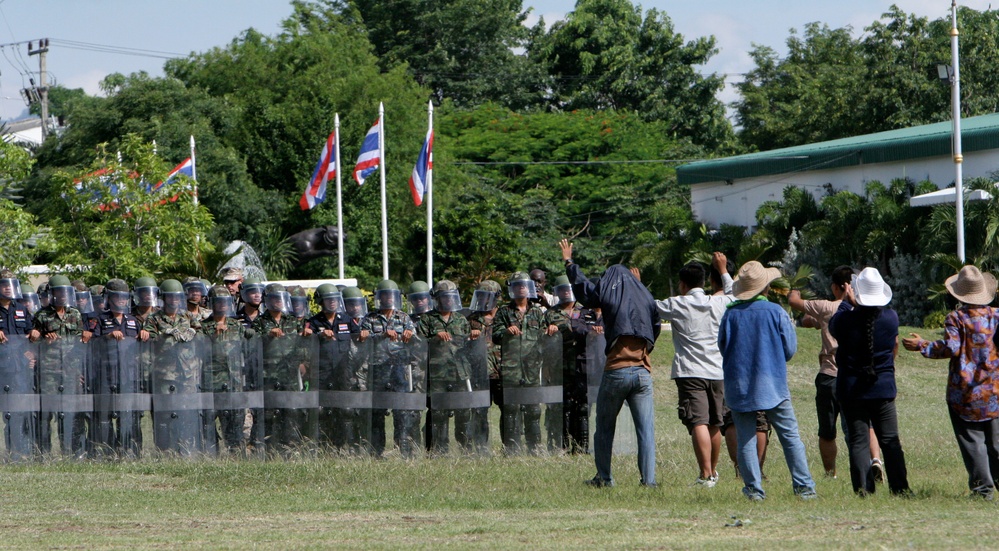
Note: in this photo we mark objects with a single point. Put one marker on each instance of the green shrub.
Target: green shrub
(935, 319)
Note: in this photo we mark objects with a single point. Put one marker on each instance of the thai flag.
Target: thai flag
(315, 192)
(186, 167)
(424, 164)
(371, 155)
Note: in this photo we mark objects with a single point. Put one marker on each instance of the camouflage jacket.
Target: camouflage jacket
(227, 368)
(520, 355)
(283, 357)
(447, 362)
(47, 321)
(392, 363)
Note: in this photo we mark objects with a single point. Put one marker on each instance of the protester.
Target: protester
(756, 339)
(867, 333)
(697, 362)
(631, 325)
(973, 381)
(817, 315)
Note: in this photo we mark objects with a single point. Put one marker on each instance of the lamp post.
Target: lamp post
(955, 100)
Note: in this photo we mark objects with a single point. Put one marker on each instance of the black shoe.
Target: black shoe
(598, 482)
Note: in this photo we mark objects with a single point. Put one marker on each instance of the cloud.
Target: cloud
(549, 17)
(90, 81)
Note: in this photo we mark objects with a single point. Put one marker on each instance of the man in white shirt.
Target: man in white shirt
(697, 363)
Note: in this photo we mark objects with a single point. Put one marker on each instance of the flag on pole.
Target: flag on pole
(371, 155)
(424, 164)
(186, 167)
(315, 192)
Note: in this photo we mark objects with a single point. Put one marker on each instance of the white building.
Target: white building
(27, 131)
(730, 190)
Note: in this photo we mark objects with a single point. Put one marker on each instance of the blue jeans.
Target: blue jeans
(634, 385)
(785, 424)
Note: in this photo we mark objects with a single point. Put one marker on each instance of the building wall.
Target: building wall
(716, 203)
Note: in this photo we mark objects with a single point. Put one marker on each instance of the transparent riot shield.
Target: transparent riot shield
(179, 402)
(66, 401)
(397, 372)
(290, 398)
(340, 363)
(457, 385)
(120, 397)
(19, 401)
(232, 376)
(531, 375)
(625, 441)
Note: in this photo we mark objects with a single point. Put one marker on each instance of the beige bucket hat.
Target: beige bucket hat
(972, 286)
(752, 279)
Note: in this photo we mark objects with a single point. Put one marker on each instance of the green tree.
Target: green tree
(605, 55)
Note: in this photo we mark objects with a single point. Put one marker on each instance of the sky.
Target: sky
(80, 30)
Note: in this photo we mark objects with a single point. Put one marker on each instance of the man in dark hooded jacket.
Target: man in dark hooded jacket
(631, 326)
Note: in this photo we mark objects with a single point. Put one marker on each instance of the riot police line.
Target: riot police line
(269, 396)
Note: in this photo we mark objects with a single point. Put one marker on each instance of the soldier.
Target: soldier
(226, 373)
(62, 371)
(196, 291)
(85, 304)
(232, 278)
(176, 373)
(29, 299)
(284, 370)
(339, 369)
(300, 304)
(355, 307)
(392, 369)
(449, 370)
(419, 300)
(485, 302)
(518, 328)
(251, 291)
(145, 295)
(43, 294)
(17, 372)
(117, 422)
(574, 323)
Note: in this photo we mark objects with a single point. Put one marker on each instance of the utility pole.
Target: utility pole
(43, 86)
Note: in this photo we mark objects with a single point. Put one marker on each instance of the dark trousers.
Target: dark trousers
(979, 444)
(861, 416)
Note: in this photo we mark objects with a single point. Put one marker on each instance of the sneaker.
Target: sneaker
(831, 475)
(807, 495)
(598, 482)
(753, 496)
(706, 482)
(715, 477)
(877, 470)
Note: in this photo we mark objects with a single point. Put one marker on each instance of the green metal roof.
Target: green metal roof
(931, 140)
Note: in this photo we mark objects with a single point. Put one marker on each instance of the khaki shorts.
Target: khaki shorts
(702, 402)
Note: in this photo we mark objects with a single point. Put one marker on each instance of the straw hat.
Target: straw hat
(752, 279)
(870, 289)
(972, 286)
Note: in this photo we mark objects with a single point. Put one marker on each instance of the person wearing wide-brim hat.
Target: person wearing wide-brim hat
(973, 380)
(867, 333)
(756, 339)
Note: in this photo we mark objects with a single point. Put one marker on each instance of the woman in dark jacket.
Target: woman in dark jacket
(867, 332)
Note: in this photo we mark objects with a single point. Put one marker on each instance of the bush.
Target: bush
(935, 319)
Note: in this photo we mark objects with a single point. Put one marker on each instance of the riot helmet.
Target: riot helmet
(62, 292)
(354, 303)
(521, 285)
(84, 302)
(172, 294)
(145, 293)
(97, 295)
(116, 296)
(29, 299)
(277, 298)
(563, 290)
(446, 296)
(10, 287)
(252, 291)
(299, 301)
(387, 296)
(419, 298)
(221, 302)
(485, 296)
(195, 290)
(44, 296)
(329, 298)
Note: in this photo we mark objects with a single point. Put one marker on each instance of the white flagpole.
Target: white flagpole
(430, 200)
(381, 167)
(955, 101)
(339, 199)
(194, 171)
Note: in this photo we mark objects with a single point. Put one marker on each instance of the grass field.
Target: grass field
(509, 503)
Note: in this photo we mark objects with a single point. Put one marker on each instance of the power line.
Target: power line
(622, 162)
(120, 50)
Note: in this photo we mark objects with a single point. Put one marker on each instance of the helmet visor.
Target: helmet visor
(448, 301)
(118, 301)
(195, 291)
(300, 306)
(483, 301)
(279, 302)
(223, 306)
(388, 299)
(172, 302)
(356, 307)
(420, 303)
(84, 303)
(332, 303)
(564, 294)
(10, 288)
(30, 302)
(146, 296)
(523, 288)
(252, 293)
(63, 297)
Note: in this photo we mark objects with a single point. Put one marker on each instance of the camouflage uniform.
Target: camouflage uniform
(226, 372)
(389, 363)
(448, 371)
(176, 369)
(62, 371)
(340, 368)
(520, 366)
(282, 362)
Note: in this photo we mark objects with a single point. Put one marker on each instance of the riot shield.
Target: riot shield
(232, 376)
(120, 397)
(457, 384)
(290, 397)
(531, 374)
(178, 399)
(66, 401)
(397, 371)
(19, 401)
(625, 441)
(340, 364)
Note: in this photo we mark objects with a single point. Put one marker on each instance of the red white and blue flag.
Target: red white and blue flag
(424, 164)
(315, 192)
(371, 154)
(186, 167)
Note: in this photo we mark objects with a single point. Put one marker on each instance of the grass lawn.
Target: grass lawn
(504, 502)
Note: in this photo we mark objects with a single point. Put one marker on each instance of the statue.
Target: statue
(314, 243)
